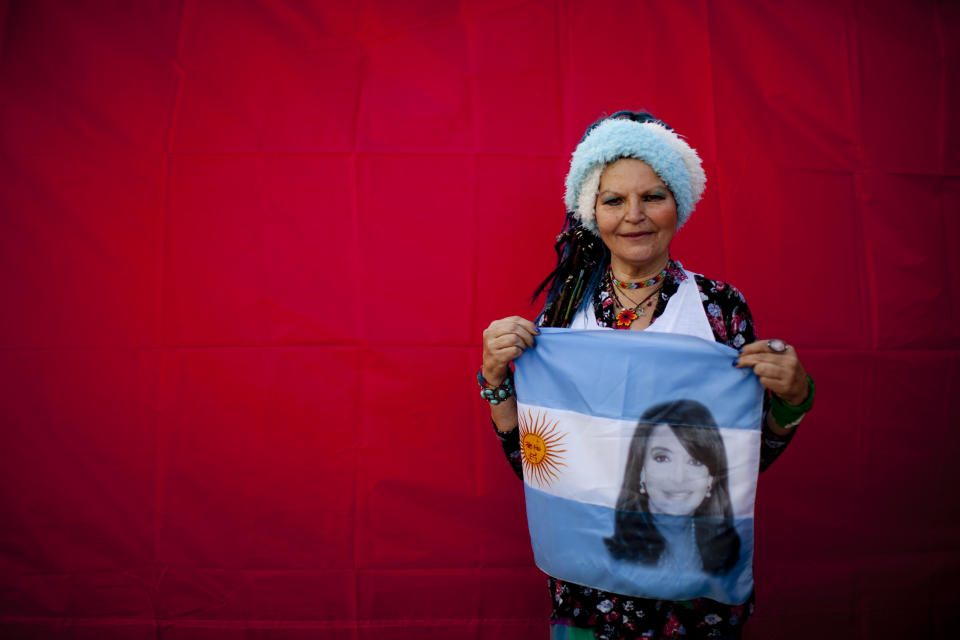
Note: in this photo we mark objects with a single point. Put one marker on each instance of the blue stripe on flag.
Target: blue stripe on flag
(615, 374)
(568, 543)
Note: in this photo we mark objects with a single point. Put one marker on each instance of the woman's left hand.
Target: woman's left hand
(780, 372)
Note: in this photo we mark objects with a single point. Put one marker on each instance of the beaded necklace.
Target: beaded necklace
(643, 284)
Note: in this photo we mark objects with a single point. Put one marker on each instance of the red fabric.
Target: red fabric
(249, 248)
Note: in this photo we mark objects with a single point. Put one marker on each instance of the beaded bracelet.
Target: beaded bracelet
(788, 415)
(492, 394)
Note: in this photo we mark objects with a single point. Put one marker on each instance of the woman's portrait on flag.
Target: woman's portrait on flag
(674, 507)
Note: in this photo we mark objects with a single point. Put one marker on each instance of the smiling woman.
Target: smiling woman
(633, 183)
(675, 480)
(675, 470)
(636, 218)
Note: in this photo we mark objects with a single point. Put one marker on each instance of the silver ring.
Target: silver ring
(777, 346)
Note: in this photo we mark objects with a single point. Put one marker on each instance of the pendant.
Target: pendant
(625, 318)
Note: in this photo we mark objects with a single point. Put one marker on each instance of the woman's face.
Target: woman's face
(676, 483)
(636, 216)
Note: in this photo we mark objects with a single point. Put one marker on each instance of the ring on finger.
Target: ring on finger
(777, 346)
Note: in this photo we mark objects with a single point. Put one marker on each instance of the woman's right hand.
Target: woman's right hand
(504, 340)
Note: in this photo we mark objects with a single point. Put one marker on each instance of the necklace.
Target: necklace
(643, 284)
(627, 315)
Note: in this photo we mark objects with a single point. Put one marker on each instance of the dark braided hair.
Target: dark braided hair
(581, 255)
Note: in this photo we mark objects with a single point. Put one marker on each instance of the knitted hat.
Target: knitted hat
(676, 162)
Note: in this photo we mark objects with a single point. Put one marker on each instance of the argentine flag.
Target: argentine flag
(640, 459)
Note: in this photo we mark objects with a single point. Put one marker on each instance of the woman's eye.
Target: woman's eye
(611, 202)
(695, 463)
(654, 197)
(659, 457)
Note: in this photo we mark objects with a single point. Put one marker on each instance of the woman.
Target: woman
(632, 184)
(674, 472)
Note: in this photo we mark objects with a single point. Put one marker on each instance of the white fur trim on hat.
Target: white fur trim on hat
(673, 160)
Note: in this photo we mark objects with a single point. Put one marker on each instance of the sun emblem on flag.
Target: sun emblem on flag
(541, 445)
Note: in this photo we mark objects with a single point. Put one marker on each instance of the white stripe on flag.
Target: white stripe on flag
(583, 457)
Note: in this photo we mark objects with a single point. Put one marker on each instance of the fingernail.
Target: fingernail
(740, 350)
(537, 331)
(735, 362)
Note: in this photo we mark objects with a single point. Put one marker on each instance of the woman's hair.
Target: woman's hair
(635, 536)
(623, 114)
(581, 255)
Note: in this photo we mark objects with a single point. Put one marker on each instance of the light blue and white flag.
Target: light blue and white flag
(640, 461)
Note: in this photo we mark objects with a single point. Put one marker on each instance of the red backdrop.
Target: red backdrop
(248, 249)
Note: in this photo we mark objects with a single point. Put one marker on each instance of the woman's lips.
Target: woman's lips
(638, 234)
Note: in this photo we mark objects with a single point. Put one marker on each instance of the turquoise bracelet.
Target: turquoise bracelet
(492, 394)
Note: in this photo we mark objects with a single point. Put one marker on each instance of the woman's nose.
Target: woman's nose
(635, 211)
(678, 474)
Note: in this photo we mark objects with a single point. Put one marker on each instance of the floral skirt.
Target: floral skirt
(582, 612)
(559, 631)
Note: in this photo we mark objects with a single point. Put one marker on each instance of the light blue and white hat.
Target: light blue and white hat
(676, 162)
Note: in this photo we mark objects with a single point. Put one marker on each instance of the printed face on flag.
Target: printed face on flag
(675, 481)
(640, 455)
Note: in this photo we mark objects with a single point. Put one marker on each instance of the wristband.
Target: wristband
(788, 416)
(492, 394)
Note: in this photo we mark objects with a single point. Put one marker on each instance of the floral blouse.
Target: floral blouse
(612, 616)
